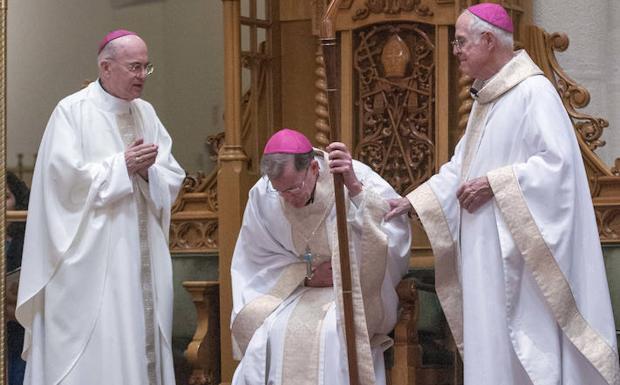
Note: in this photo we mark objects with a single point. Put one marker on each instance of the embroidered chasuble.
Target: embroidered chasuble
(521, 280)
(95, 292)
(130, 132)
(286, 333)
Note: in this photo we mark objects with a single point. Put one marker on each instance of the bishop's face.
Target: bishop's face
(294, 186)
(124, 75)
(470, 48)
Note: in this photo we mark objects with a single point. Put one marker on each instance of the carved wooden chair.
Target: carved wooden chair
(436, 118)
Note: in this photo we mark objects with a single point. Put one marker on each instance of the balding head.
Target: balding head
(122, 66)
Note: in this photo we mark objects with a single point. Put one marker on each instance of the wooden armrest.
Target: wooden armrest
(407, 350)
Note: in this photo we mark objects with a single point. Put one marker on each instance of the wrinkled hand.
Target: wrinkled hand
(474, 193)
(321, 276)
(398, 207)
(340, 162)
(139, 157)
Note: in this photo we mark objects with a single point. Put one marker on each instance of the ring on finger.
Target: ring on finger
(138, 158)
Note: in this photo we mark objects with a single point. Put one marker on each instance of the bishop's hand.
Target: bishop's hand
(340, 162)
(321, 276)
(398, 207)
(474, 193)
(139, 157)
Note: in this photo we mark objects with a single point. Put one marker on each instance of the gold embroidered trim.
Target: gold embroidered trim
(253, 314)
(301, 365)
(129, 126)
(447, 283)
(548, 275)
(474, 134)
(366, 291)
(374, 258)
(364, 357)
(514, 72)
(367, 294)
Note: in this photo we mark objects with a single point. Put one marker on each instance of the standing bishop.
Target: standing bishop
(95, 294)
(518, 267)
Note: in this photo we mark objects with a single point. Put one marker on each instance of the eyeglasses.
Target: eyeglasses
(289, 191)
(139, 68)
(458, 43)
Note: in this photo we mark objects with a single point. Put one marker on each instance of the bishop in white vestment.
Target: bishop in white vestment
(518, 267)
(287, 329)
(95, 294)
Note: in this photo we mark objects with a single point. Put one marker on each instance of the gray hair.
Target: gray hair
(108, 52)
(272, 165)
(478, 25)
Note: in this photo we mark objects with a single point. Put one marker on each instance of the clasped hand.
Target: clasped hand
(340, 162)
(474, 193)
(321, 276)
(139, 157)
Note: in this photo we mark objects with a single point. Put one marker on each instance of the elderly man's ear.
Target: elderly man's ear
(105, 67)
(490, 40)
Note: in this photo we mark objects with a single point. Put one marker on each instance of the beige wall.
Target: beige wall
(52, 50)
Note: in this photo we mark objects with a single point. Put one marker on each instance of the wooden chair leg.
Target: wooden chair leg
(203, 352)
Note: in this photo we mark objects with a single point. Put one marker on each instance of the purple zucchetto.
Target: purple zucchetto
(113, 35)
(493, 14)
(287, 141)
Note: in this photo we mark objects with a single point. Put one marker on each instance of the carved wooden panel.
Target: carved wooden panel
(391, 7)
(194, 224)
(395, 76)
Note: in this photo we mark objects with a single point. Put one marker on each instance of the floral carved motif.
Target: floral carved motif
(391, 7)
(394, 69)
(194, 222)
(574, 96)
(194, 236)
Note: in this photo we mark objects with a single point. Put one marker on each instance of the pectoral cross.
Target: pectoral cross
(308, 259)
